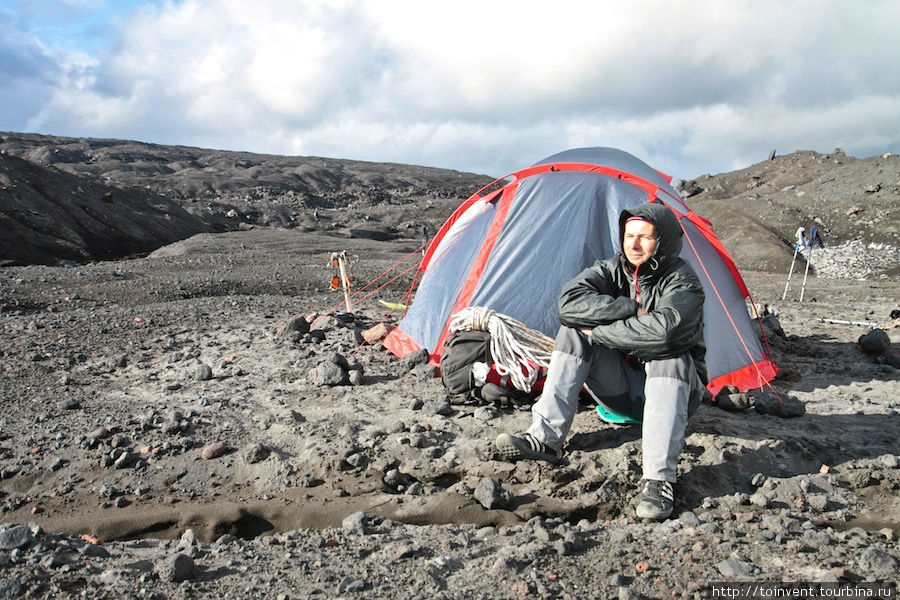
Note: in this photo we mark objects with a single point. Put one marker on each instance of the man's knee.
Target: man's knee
(680, 367)
(571, 341)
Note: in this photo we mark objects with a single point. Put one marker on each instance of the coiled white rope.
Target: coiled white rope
(518, 351)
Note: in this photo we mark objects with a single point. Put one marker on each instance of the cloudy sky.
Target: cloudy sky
(489, 86)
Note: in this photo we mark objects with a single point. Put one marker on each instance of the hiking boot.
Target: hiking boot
(657, 500)
(525, 446)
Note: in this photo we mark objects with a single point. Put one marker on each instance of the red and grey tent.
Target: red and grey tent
(514, 247)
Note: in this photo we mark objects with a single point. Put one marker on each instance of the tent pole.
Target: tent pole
(791, 272)
(808, 260)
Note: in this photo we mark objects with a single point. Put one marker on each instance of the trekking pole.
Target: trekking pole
(791, 272)
(808, 260)
(345, 280)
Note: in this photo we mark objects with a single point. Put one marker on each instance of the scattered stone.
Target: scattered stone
(355, 377)
(176, 569)
(419, 357)
(101, 433)
(484, 413)
(188, 540)
(376, 334)
(397, 480)
(297, 326)
(351, 584)
(785, 406)
(734, 402)
(356, 523)
(328, 374)
(70, 404)
(770, 323)
(734, 567)
(889, 461)
(338, 359)
(759, 500)
(17, 536)
(876, 341)
(424, 371)
(52, 560)
(256, 452)
(490, 494)
(214, 450)
(10, 587)
(876, 562)
(689, 519)
(438, 406)
(203, 372)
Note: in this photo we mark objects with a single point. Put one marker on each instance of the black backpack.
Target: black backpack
(461, 350)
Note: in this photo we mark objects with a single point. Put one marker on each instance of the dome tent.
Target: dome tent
(512, 250)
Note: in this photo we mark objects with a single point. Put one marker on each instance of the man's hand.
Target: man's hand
(641, 312)
(585, 330)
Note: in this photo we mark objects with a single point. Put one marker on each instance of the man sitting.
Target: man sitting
(632, 335)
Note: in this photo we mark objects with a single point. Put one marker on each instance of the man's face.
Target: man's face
(639, 242)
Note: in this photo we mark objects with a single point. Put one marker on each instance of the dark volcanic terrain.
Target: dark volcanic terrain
(167, 430)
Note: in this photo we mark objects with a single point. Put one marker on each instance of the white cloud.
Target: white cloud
(492, 86)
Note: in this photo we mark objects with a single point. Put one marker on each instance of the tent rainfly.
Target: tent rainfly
(513, 248)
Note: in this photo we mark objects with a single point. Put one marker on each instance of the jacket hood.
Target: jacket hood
(668, 233)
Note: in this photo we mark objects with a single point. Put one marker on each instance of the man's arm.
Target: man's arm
(670, 329)
(592, 298)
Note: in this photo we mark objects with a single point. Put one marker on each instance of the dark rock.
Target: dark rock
(876, 341)
(52, 560)
(734, 402)
(17, 536)
(419, 357)
(424, 371)
(770, 323)
(10, 587)
(296, 327)
(328, 373)
(338, 359)
(490, 494)
(778, 405)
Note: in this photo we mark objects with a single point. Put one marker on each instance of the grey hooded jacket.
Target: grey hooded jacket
(602, 297)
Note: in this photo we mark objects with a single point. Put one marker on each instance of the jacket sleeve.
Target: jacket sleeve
(592, 298)
(672, 328)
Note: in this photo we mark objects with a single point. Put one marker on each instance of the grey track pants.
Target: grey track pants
(662, 395)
